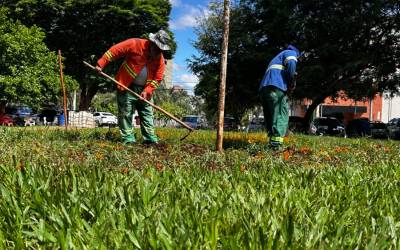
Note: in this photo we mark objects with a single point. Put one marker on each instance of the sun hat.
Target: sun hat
(161, 39)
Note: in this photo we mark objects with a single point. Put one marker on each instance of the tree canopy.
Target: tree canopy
(175, 102)
(350, 46)
(28, 70)
(85, 29)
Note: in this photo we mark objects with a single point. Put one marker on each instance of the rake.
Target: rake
(145, 100)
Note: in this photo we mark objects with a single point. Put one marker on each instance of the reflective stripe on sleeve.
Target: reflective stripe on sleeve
(276, 66)
(109, 55)
(153, 83)
(290, 58)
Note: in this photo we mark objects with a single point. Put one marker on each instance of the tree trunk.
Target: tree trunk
(224, 59)
(87, 94)
(308, 116)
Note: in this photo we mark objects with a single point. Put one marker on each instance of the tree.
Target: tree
(172, 108)
(105, 102)
(85, 29)
(177, 103)
(350, 46)
(28, 70)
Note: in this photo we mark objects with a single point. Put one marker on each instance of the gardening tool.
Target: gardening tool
(145, 100)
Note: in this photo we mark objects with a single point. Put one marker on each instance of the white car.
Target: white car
(105, 119)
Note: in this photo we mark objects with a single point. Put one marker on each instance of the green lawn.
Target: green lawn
(84, 190)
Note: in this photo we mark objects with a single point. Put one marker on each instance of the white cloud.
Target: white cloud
(187, 81)
(190, 18)
(175, 3)
(177, 67)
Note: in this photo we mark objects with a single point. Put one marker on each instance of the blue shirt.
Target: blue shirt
(281, 70)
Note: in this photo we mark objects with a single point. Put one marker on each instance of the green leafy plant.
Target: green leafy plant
(78, 190)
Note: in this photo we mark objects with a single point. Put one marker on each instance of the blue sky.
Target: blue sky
(184, 16)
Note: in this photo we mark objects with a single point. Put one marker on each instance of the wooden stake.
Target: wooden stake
(224, 59)
(64, 92)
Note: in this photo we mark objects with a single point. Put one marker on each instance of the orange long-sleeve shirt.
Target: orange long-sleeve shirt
(136, 54)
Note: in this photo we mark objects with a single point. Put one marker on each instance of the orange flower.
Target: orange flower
(259, 155)
(159, 166)
(305, 150)
(286, 155)
(118, 148)
(341, 149)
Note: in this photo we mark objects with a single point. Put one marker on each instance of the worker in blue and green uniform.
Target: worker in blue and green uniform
(279, 78)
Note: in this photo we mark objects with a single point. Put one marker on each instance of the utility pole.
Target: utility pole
(224, 59)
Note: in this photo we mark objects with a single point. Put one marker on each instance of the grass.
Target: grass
(84, 190)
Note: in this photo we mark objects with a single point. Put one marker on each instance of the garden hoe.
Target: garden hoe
(146, 101)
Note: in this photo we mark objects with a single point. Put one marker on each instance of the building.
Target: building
(390, 107)
(343, 108)
(167, 81)
(176, 88)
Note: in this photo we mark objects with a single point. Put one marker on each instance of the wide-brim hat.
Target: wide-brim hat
(161, 39)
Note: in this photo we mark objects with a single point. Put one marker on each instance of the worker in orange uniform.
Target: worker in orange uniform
(142, 71)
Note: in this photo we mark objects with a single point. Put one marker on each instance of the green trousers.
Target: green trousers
(276, 113)
(127, 104)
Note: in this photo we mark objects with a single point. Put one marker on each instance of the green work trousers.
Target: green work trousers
(276, 113)
(127, 104)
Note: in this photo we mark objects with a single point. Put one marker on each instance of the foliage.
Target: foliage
(172, 108)
(78, 190)
(175, 102)
(105, 102)
(84, 30)
(28, 70)
(347, 46)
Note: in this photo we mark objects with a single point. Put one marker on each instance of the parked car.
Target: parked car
(195, 121)
(6, 120)
(20, 114)
(296, 124)
(230, 124)
(358, 128)
(21, 111)
(379, 130)
(327, 126)
(394, 128)
(256, 124)
(105, 119)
